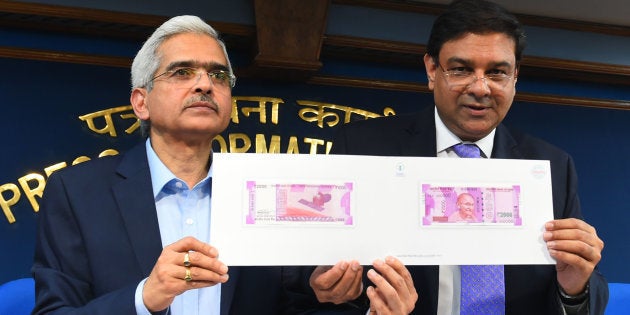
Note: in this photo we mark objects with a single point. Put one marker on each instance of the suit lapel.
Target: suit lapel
(505, 147)
(421, 134)
(134, 196)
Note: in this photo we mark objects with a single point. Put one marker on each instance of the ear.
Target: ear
(516, 75)
(431, 68)
(138, 101)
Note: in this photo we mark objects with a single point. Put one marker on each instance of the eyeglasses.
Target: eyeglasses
(461, 78)
(188, 76)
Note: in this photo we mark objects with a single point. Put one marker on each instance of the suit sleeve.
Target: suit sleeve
(60, 269)
(598, 291)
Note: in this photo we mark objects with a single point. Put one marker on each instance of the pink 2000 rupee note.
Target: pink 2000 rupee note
(275, 203)
(471, 205)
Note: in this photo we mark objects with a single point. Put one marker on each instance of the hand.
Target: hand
(339, 283)
(166, 280)
(394, 292)
(577, 250)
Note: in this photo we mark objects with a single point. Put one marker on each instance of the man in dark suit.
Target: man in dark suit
(129, 234)
(472, 64)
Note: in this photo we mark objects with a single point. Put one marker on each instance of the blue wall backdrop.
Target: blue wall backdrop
(42, 103)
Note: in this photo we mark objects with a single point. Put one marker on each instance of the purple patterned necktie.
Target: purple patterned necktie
(483, 287)
(467, 150)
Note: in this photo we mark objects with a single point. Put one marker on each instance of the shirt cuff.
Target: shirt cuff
(141, 309)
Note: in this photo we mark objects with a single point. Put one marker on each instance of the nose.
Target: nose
(203, 84)
(479, 86)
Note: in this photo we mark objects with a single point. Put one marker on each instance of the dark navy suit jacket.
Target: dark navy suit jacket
(529, 289)
(98, 237)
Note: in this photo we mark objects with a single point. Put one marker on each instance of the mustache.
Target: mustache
(481, 101)
(201, 98)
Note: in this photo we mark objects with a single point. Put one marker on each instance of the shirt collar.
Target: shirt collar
(160, 174)
(445, 139)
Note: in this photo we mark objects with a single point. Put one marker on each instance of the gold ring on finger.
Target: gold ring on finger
(188, 276)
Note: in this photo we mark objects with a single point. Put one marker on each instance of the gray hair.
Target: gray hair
(147, 60)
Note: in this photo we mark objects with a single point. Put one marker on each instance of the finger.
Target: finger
(357, 283)
(192, 244)
(391, 276)
(579, 248)
(384, 289)
(581, 261)
(349, 286)
(589, 238)
(377, 304)
(325, 277)
(337, 284)
(200, 254)
(205, 277)
(212, 264)
(572, 229)
(398, 289)
(317, 272)
(408, 294)
(569, 223)
(400, 269)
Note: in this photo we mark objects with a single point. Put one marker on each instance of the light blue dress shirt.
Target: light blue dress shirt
(181, 212)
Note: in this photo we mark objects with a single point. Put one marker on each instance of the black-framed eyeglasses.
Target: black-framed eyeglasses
(188, 76)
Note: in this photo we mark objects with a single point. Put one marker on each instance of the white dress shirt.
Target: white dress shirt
(450, 277)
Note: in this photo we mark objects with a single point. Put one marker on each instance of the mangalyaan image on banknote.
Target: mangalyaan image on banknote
(272, 203)
(457, 205)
